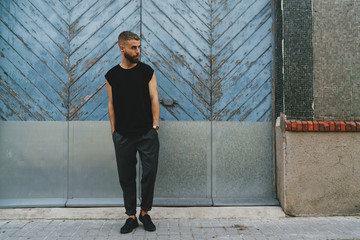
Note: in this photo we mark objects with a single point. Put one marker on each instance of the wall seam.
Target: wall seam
(211, 101)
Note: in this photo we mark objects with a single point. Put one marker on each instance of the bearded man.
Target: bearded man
(134, 118)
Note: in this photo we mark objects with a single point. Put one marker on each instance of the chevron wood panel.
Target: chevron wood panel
(33, 66)
(242, 60)
(213, 59)
(94, 51)
(176, 42)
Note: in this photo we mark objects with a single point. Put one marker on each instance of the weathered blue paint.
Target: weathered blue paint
(209, 60)
(32, 61)
(94, 51)
(177, 44)
(242, 57)
(213, 59)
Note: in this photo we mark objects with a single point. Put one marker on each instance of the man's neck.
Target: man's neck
(126, 64)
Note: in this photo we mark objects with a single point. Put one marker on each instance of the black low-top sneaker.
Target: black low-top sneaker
(129, 225)
(148, 224)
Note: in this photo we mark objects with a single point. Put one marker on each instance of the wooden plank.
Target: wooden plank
(176, 42)
(31, 46)
(228, 15)
(22, 98)
(240, 23)
(57, 19)
(213, 59)
(172, 82)
(242, 61)
(84, 13)
(69, 4)
(200, 8)
(57, 35)
(262, 106)
(60, 8)
(242, 76)
(42, 94)
(82, 91)
(248, 112)
(37, 38)
(242, 99)
(185, 105)
(99, 21)
(162, 55)
(238, 47)
(87, 71)
(10, 107)
(100, 103)
(195, 51)
(180, 16)
(98, 44)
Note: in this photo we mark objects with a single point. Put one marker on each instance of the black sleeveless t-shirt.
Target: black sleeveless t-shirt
(131, 98)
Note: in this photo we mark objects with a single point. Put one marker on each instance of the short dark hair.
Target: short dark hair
(126, 36)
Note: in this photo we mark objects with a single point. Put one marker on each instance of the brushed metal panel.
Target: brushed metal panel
(33, 160)
(242, 158)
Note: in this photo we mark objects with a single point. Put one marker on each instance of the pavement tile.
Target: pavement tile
(270, 229)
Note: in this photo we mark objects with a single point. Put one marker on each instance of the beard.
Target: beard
(132, 59)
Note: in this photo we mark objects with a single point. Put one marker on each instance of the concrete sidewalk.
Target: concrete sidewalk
(264, 225)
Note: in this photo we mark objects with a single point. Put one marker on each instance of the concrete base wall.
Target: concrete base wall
(318, 172)
(73, 164)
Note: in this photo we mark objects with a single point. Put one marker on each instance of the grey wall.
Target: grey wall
(336, 41)
(321, 60)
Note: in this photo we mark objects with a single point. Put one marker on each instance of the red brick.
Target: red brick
(299, 126)
(348, 126)
(353, 126)
(321, 126)
(288, 125)
(304, 126)
(342, 126)
(310, 125)
(316, 126)
(337, 126)
(293, 126)
(358, 126)
(332, 126)
(326, 126)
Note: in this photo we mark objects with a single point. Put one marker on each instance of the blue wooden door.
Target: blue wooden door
(213, 62)
(212, 59)
(242, 61)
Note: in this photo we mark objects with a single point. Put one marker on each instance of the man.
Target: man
(134, 118)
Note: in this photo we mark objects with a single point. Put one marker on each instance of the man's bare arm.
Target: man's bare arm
(111, 107)
(155, 106)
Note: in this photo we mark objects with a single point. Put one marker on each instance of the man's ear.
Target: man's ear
(121, 48)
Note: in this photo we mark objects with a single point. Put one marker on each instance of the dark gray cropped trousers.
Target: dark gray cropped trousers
(126, 148)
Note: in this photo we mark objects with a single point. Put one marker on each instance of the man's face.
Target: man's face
(131, 50)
